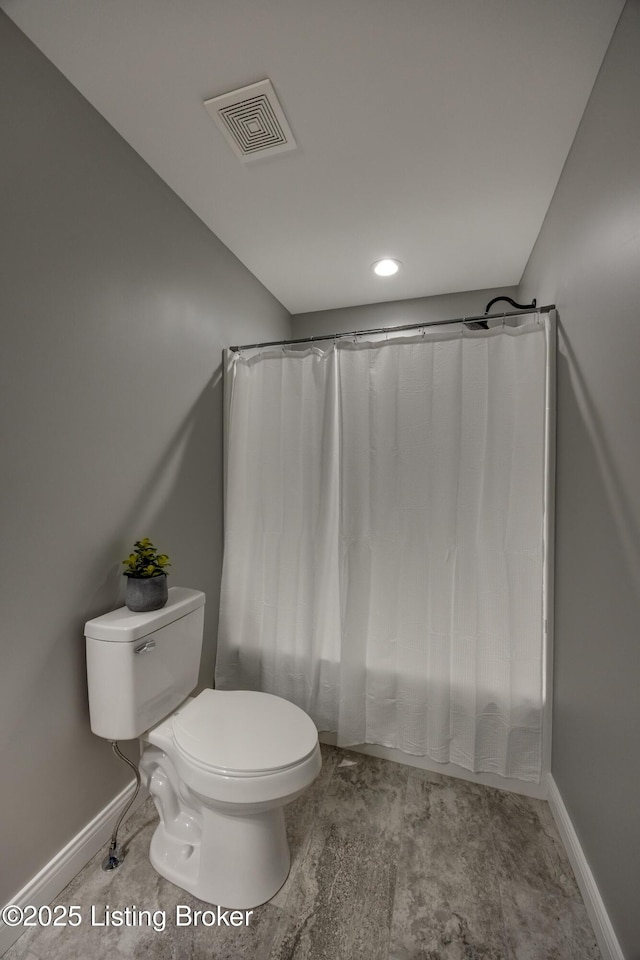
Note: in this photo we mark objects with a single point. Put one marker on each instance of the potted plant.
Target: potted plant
(146, 573)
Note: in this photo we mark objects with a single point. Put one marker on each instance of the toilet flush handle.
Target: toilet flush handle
(145, 647)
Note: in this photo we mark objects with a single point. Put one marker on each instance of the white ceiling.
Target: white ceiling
(432, 131)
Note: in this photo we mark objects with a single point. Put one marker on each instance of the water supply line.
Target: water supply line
(116, 854)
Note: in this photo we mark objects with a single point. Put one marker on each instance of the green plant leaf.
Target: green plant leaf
(145, 561)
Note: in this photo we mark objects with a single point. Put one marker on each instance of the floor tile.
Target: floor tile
(341, 903)
(447, 901)
(528, 844)
(388, 863)
(545, 926)
(366, 793)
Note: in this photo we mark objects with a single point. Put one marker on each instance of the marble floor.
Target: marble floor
(388, 863)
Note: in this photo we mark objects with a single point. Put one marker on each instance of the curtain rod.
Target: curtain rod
(407, 326)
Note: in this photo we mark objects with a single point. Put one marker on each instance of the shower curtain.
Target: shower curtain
(384, 536)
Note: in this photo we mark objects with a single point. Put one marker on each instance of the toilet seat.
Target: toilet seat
(242, 733)
(241, 746)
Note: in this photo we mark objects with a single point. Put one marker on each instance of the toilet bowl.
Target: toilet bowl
(220, 766)
(220, 771)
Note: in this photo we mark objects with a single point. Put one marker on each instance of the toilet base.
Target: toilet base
(231, 851)
(239, 860)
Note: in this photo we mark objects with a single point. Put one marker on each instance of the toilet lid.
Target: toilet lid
(242, 732)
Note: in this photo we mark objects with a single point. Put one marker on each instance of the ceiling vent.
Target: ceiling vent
(252, 121)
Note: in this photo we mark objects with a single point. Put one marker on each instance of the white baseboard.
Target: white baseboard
(68, 862)
(602, 927)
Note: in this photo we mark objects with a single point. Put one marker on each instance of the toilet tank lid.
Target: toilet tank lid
(124, 626)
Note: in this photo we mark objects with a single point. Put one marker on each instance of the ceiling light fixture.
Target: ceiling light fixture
(386, 268)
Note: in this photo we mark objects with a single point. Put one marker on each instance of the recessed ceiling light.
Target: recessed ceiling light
(386, 268)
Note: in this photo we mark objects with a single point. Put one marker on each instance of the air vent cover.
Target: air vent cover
(252, 121)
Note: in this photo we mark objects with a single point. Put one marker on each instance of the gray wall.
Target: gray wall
(587, 260)
(116, 302)
(396, 312)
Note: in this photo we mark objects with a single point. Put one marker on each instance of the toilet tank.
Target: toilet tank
(141, 666)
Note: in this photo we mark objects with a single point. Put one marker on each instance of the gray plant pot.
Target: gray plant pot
(146, 593)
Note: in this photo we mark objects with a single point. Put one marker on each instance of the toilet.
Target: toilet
(220, 766)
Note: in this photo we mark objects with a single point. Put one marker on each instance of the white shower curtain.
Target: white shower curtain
(383, 563)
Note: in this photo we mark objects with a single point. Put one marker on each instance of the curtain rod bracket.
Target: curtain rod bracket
(519, 306)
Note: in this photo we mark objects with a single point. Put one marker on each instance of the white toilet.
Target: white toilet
(220, 766)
